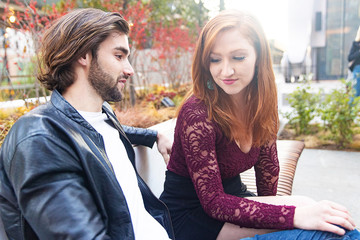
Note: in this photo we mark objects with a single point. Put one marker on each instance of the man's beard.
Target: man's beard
(104, 84)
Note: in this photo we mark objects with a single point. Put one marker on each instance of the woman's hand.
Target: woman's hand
(324, 216)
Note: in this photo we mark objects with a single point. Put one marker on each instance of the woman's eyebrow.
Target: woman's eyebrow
(240, 50)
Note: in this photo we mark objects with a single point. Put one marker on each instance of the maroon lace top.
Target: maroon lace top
(202, 153)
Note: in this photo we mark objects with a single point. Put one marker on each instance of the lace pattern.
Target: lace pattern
(202, 153)
(267, 170)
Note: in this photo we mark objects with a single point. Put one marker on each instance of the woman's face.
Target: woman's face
(232, 62)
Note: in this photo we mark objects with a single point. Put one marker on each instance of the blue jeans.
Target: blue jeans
(300, 234)
(356, 77)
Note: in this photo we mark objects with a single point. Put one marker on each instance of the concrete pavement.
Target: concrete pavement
(330, 175)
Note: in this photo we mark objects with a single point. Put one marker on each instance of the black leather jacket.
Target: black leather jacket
(56, 181)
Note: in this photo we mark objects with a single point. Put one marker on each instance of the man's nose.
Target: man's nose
(128, 69)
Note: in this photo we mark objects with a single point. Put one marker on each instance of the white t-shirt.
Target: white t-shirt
(145, 226)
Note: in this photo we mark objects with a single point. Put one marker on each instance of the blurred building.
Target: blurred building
(277, 51)
(320, 35)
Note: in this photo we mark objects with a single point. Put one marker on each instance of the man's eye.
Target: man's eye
(119, 56)
(214, 60)
(239, 58)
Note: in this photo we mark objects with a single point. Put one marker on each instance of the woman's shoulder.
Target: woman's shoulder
(194, 114)
(193, 111)
(193, 106)
(194, 103)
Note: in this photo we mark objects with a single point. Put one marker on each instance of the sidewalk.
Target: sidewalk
(330, 175)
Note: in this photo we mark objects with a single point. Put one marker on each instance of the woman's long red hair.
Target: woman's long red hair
(262, 117)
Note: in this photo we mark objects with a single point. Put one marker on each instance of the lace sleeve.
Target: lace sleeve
(267, 170)
(198, 139)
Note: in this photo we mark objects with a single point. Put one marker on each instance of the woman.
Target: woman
(226, 125)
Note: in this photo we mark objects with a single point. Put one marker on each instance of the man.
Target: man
(66, 168)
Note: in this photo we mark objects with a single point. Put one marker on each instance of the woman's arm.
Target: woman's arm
(267, 170)
(309, 214)
(313, 215)
(198, 139)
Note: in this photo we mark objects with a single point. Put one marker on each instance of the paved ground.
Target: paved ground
(331, 175)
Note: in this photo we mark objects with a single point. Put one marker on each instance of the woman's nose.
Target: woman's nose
(227, 69)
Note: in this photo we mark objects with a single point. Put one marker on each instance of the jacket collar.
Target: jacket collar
(60, 103)
(111, 115)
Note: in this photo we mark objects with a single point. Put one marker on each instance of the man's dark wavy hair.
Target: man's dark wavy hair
(71, 37)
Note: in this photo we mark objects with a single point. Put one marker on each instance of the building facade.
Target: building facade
(342, 23)
(328, 33)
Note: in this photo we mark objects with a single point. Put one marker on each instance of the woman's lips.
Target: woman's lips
(229, 81)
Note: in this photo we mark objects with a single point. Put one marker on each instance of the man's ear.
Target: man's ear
(85, 60)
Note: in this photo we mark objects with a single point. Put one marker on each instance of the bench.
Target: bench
(151, 166)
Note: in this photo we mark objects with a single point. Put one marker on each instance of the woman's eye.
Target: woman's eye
(214, 60)
(239, 58)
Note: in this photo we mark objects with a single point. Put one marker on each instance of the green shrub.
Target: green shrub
(304, 104)
(339, 111)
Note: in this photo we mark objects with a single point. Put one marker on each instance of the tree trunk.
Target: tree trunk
(125, 4)
(132, 92)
